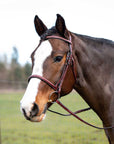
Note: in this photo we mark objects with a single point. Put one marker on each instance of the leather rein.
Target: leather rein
(58, 86)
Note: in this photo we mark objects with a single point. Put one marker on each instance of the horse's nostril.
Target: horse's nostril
(25, 114)
(34, 110)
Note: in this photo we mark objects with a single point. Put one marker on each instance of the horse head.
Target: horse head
(48, 64)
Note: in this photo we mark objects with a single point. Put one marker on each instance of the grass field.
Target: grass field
(54, 129)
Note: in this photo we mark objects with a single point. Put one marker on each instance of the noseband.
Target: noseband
(58, 86)
(69, 61)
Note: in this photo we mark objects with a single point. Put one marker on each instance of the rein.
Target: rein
(57, 87)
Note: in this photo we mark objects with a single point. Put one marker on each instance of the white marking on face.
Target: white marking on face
(32, 89)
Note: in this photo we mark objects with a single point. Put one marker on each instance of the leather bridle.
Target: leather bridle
(69, 61)
(58, 86)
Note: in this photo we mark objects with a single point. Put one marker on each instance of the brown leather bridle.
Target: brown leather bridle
(69, 61)
(58, 86)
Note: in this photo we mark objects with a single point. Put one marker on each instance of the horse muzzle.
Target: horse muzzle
(31, 112)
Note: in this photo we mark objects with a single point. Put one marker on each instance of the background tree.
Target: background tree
(13, 74)
(27, 70)
(3, 67)
(15, 69)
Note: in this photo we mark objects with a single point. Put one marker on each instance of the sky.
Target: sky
(89, 17)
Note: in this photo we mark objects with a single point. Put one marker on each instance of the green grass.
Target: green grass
(53, 130)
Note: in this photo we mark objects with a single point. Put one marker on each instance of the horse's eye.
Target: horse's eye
(58, 58)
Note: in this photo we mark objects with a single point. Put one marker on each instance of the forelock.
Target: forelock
(49, 32)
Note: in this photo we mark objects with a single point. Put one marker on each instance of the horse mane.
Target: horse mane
(49, 32)
(95, 41)
(87, 39)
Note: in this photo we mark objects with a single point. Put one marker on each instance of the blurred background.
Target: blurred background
(18, 37)
(17, 41)
(13, 75)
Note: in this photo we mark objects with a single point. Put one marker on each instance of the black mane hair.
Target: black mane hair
(88, 39)
(49, 32)
(95, 40)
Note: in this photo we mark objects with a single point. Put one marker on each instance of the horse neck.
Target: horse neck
(91, 76)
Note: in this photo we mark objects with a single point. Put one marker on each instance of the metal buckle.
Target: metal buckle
(54, 92)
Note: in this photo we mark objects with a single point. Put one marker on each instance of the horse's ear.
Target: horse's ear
(60, 26)
(39, 26)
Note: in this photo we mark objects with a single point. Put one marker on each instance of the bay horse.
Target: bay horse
(64, 61)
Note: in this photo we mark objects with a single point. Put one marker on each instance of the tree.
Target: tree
(27, 70)
(3, 71)
(15, 57)
(15, 68)
(13, 74)
(3, 67)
